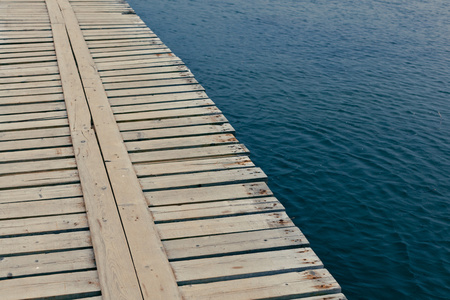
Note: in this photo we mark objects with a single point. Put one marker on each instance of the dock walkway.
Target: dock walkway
(120, 178)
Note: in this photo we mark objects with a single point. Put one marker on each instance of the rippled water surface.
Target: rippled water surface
(345, 105)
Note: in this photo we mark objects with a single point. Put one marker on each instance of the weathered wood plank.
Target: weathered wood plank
(214, 245)
(36, 264)
(155, 275)
(294, 284)
(114, 264)
(42, 208)
(188, 153)
(176, 132)
(221, 163)
(216, 209)
(206, 194)
(224, 225)
(50, 285)
(246, 265)
(43, 224)
(45, 242)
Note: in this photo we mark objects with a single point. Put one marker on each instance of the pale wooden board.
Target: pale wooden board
(235, 243)
(206, 194)
(202, 178)
(181, 142)
(170, 113)
(33, 124)
(306, 283)
(34, 133)
(115, 268)
(42, 208)
(43, 224)
(216, 209)
(155, 275)
(139, 71)
(161, 98)
(176, 132)
(17, 156)
(324, 297)
(40, 193)
(26, 79)
(31, 99)
(173, 122)
(151, 63)
(52, 262)
(221, 163)
(31, 91)
(35, 143)
(39, 179)
(148, 83)
(224, 225)
(189, 153)
(38, 116)
(136, 108)
(154, 90)
(45, 242)
(29, 108)
(22, 85)
(50, 285)
(36, 166)
(246, 265)
(168, 73)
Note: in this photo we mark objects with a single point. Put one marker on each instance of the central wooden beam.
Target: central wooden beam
(154, 273)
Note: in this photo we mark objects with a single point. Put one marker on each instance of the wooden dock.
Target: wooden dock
(120, 178)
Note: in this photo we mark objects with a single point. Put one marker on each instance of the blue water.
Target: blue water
(345, 105)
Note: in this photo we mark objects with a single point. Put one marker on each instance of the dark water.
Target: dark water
(345, 105)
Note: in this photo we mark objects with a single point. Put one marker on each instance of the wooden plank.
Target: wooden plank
(171, 113)
(202, 178)
(42, 208)
(26, 155)
(154, 90)
(45, 242)
(136, 108)
(213, 245)
(221, 163)
(246, 265)
(53, 262)
(181, 142)
(324, 297)
(168, 73)
(294, 284)
(215, 209)
(159, 98)
(153, 270)
(50, 285)
(40, 193)
(34, 133)
(26, 79)
(188, 153)
(223, 225)
(176, 132)
(22, 85)
(43, 224)
(33, 124)
(114, 264)
(35, 143)
(39, 179)
(206, 194)
(36, 166)
(33, 116)
(148, 83)
(173, 122)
